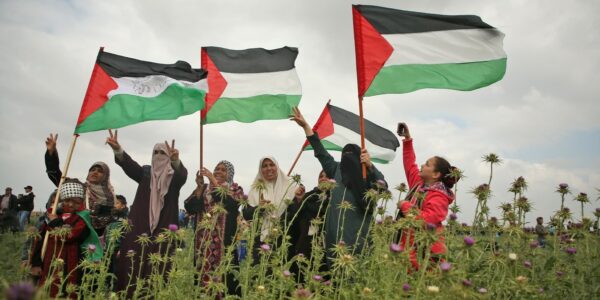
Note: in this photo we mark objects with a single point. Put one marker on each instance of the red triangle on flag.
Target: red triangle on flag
(97, 92)
(324, 125)
(216, 82)
(371, 49)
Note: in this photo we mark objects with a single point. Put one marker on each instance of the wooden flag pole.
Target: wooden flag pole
(362, 133)
(62, 180)
(201, 143)
(295, 161)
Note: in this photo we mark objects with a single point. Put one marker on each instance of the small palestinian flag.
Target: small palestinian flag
(402, 51)
(337, 127)
(124, 91)
(250, 85)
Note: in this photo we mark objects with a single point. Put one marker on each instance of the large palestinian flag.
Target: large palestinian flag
(337, 127)
(250, 85)
(402, 51)
(124, 91)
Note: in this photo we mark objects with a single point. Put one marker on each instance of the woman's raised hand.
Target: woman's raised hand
(403, 131)
(211, 177)
(51, 143)
(173, 153)
(299, 119)
(112, 140)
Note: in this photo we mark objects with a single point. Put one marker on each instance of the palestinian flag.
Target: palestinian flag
(124, 91)
(401, 51)
(337, 127)
(250, 85)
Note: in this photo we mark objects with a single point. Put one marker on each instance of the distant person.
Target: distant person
(8, 211)
(541, 232)
(25, 207)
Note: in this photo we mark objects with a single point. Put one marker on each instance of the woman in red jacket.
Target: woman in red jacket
(430, 194)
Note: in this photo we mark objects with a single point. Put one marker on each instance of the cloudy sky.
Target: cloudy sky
(541, 119)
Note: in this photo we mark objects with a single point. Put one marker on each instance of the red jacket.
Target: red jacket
(434, 208)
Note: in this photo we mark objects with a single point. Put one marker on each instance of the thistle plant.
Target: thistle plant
(582, 198)
(492, 159)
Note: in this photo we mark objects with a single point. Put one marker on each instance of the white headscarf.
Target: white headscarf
(161, 175)
(276, 192)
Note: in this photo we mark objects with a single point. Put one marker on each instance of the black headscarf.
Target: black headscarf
(351, 170)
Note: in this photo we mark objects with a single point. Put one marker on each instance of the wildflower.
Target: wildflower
(173, 227)
(367, 290)
(469, 241)
(431, 226)
(317, 277)
(286, 273)
(91, 248)
(342, 243)
(563, 186)
(445, 266)
(482, 290)
(560, 274)
(296, 178)
(302, 293)
(401, 187)
(260, 288)
(395, 248)
(345, 205)
(521, 279)
(571, 250)
(179, 250)
(467, 282)
(512, 256)
(453, 217)
(492, 158)
(534, 244)
(527, 264)
(327, 283)
(406, 287)
(59, 261)
(433, 289)
(20, 291)
(265, 247)
(130, 253)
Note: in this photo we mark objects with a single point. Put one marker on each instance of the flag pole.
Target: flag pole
(362, 133)
(296, 160)
(62, 180)
(201, 143)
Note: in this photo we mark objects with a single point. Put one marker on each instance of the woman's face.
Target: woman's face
(323, 177)
(268, 170)
(220, 173)
(95, 175)
(428, 173)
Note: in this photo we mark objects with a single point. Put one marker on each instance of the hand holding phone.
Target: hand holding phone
(403, 130)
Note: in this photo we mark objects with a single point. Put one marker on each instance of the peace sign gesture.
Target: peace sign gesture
(112, 140)
(173, 153)
(51, 143)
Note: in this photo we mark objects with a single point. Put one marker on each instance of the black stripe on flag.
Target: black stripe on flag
(255, 60)
(373, 132)
(390, 21)
(120, 66)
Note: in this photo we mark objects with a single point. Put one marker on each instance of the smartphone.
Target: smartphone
(401, 129)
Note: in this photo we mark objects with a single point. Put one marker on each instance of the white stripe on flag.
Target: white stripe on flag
(343, 136)
(243, 85)
(448, 46)
(151, 86)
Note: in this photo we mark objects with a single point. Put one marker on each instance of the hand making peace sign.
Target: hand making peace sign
(112, 140)
(172, 152)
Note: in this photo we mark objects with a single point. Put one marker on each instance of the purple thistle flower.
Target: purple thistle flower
(463, 224)
(453, 217)
(469, 241)
(342, 243)
(482, 290)
(130, 251)
(302, 293)
(541, 290)
(527, 264)
(327, 283)
(286, 273)
(265, 247)
(560, 273)
(381, 182)
(91, 248)
(20, 291)
(534, 244)
(563, 186)
(571, 250)
(395, 248)
(431, 226)
(467, 282)
(445, 266)
(406, 287)
(317, 277)
(173, 227)
(300, 255)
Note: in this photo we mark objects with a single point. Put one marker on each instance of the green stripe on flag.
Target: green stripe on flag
(400, 79)
(125, 109)
(250, 109)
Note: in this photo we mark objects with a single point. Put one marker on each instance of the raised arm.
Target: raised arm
(327, 162)
(131, 168)
(408, 156)
(51, 160)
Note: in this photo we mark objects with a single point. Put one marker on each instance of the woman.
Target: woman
(155, 207)
(99, 198)
(350, 191)
(430, 194)
(211, 243)
(271, 187)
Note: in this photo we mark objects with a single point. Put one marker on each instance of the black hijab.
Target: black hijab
(351, 170)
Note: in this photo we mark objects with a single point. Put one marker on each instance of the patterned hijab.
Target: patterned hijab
(230, 170)
(160, 179)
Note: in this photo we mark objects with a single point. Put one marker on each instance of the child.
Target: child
(66, 251)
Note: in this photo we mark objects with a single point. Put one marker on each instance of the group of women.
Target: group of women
(273, 197)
